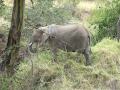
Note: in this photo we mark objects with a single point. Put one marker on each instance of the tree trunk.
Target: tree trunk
(13, 43)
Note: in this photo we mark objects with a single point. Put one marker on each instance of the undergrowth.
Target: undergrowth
(38, 72)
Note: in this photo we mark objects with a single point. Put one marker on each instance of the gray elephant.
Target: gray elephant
(70, 38)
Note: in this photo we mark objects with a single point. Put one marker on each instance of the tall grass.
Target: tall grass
(67, 74)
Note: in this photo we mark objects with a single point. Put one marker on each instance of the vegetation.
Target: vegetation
(68, 74)
(37, 72)
(105, 19)
(1, 6)
(11, 52)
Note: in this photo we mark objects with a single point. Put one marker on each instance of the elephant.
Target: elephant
(70, 38)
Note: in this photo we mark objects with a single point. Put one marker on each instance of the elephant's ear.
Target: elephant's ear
(40, 32)
(43, 29)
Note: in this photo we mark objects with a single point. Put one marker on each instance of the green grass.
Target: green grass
(68, 74)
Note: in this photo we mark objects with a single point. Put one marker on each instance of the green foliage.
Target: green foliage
(67, 73)
(2, 7)
(44, 13)
(105, 19)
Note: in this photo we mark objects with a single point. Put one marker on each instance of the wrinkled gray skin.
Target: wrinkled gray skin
(70, 38)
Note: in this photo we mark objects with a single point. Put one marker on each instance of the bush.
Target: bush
(44, 13)
(2, 7)
(105, 18)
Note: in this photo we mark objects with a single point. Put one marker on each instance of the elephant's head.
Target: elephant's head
(39, 37)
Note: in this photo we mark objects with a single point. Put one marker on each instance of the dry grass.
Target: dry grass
(86, 6)
(104, 74)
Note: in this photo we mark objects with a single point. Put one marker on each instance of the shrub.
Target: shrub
(105, 18)
(2, 7)
(45, 13)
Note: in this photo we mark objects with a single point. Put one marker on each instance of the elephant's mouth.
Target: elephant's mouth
(32, 47)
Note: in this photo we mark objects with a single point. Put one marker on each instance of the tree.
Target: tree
(13, 44)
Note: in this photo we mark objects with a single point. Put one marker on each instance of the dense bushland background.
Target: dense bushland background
(37, 72)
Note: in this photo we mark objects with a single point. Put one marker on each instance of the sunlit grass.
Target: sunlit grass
(69, 74)
(87, 5)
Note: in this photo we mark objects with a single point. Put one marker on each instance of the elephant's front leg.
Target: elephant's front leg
(54, 49)
(54, 54)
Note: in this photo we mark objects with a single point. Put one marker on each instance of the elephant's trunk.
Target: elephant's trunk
(31, 48)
